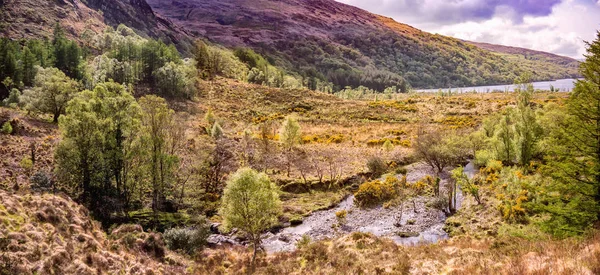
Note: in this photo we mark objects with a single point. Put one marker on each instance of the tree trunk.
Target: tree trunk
(253, 263)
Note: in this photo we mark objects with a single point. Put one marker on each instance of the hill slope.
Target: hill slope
(35, 19)
(349, 46)
(49, 234)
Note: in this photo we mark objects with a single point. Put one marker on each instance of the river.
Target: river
(562, 85)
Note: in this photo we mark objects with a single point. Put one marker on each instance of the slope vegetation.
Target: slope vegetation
(35, 19)
(347, 46)
(49, 234)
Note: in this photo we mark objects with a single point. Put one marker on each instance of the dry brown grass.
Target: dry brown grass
(49, 234)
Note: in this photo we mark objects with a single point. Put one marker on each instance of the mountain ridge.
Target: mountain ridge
(330, 45)
(342, 44)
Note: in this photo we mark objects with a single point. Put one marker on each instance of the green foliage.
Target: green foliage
(466, 184)
(157, 132)
(96, 159)
(574, 154)
(188, 240)
(7, 128)
(177, 80)
(290, 133)
(250, 203)
(67, 54)
(376, 192)
(527, 129)
(51, 93)
(387, 146)
(14, 98)
(441, 149)
(482, 157)
(216, 131)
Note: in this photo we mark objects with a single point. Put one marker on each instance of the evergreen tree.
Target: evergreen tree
(29, 61)
(575, 155)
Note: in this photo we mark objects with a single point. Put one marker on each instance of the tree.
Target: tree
(51, 92)
(216, 131)
(67, 54)
(440, 150)
(505, 136)
(465, 183)
(202, 57)
(387, 146)
(176, 80)
(250, 203)
(527, 130)
(289, 136)
(28, 61)
(576, 153)
(157, 121)
(95, 153)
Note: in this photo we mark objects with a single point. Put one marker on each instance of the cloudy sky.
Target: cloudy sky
(557, 26)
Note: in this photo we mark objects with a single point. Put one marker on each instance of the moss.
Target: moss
(407, 234)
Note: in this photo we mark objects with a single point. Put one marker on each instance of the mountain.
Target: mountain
(328, 44)
(347, 46)
(36, 18)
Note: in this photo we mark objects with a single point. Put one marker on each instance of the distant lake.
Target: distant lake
(563, 85)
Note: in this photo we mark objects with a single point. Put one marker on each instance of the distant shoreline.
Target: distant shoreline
(561, 85)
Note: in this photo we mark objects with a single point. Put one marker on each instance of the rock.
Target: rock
(285, 238)
(218, 240)
(214, 228)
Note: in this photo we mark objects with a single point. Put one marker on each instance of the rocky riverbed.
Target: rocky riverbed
(413, 221)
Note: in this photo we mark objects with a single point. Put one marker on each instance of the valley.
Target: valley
(287, 137)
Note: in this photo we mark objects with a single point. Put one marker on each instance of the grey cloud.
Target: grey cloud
(454, 11)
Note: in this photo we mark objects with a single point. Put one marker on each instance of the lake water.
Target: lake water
(563, 85)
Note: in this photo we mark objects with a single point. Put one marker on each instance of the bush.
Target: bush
(376, 166)
(341, 216)
(376, 192)
(40, 182)
(482, 157)
(187, 240)
(154, 246)
(7, 129)
(401, 170)
(303, 242)
(13, 98)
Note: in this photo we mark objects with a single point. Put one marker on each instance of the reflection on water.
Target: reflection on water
(562, 85)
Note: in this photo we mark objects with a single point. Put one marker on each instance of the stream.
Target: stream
(415, 221)
(411, 223)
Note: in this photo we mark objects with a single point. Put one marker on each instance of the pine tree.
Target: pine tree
(575, 156)
(28, 60)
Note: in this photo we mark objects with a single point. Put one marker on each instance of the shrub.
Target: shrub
(401, 170)
(187, 240)
(40, 182)
(13, 98)
(375, 192)
(303, 242)
(26, 163)
(376, 166)
(482, 157)
(7, 129)
(154, 246)
(341, 216)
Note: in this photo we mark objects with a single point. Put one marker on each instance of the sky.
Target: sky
(556, 26)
